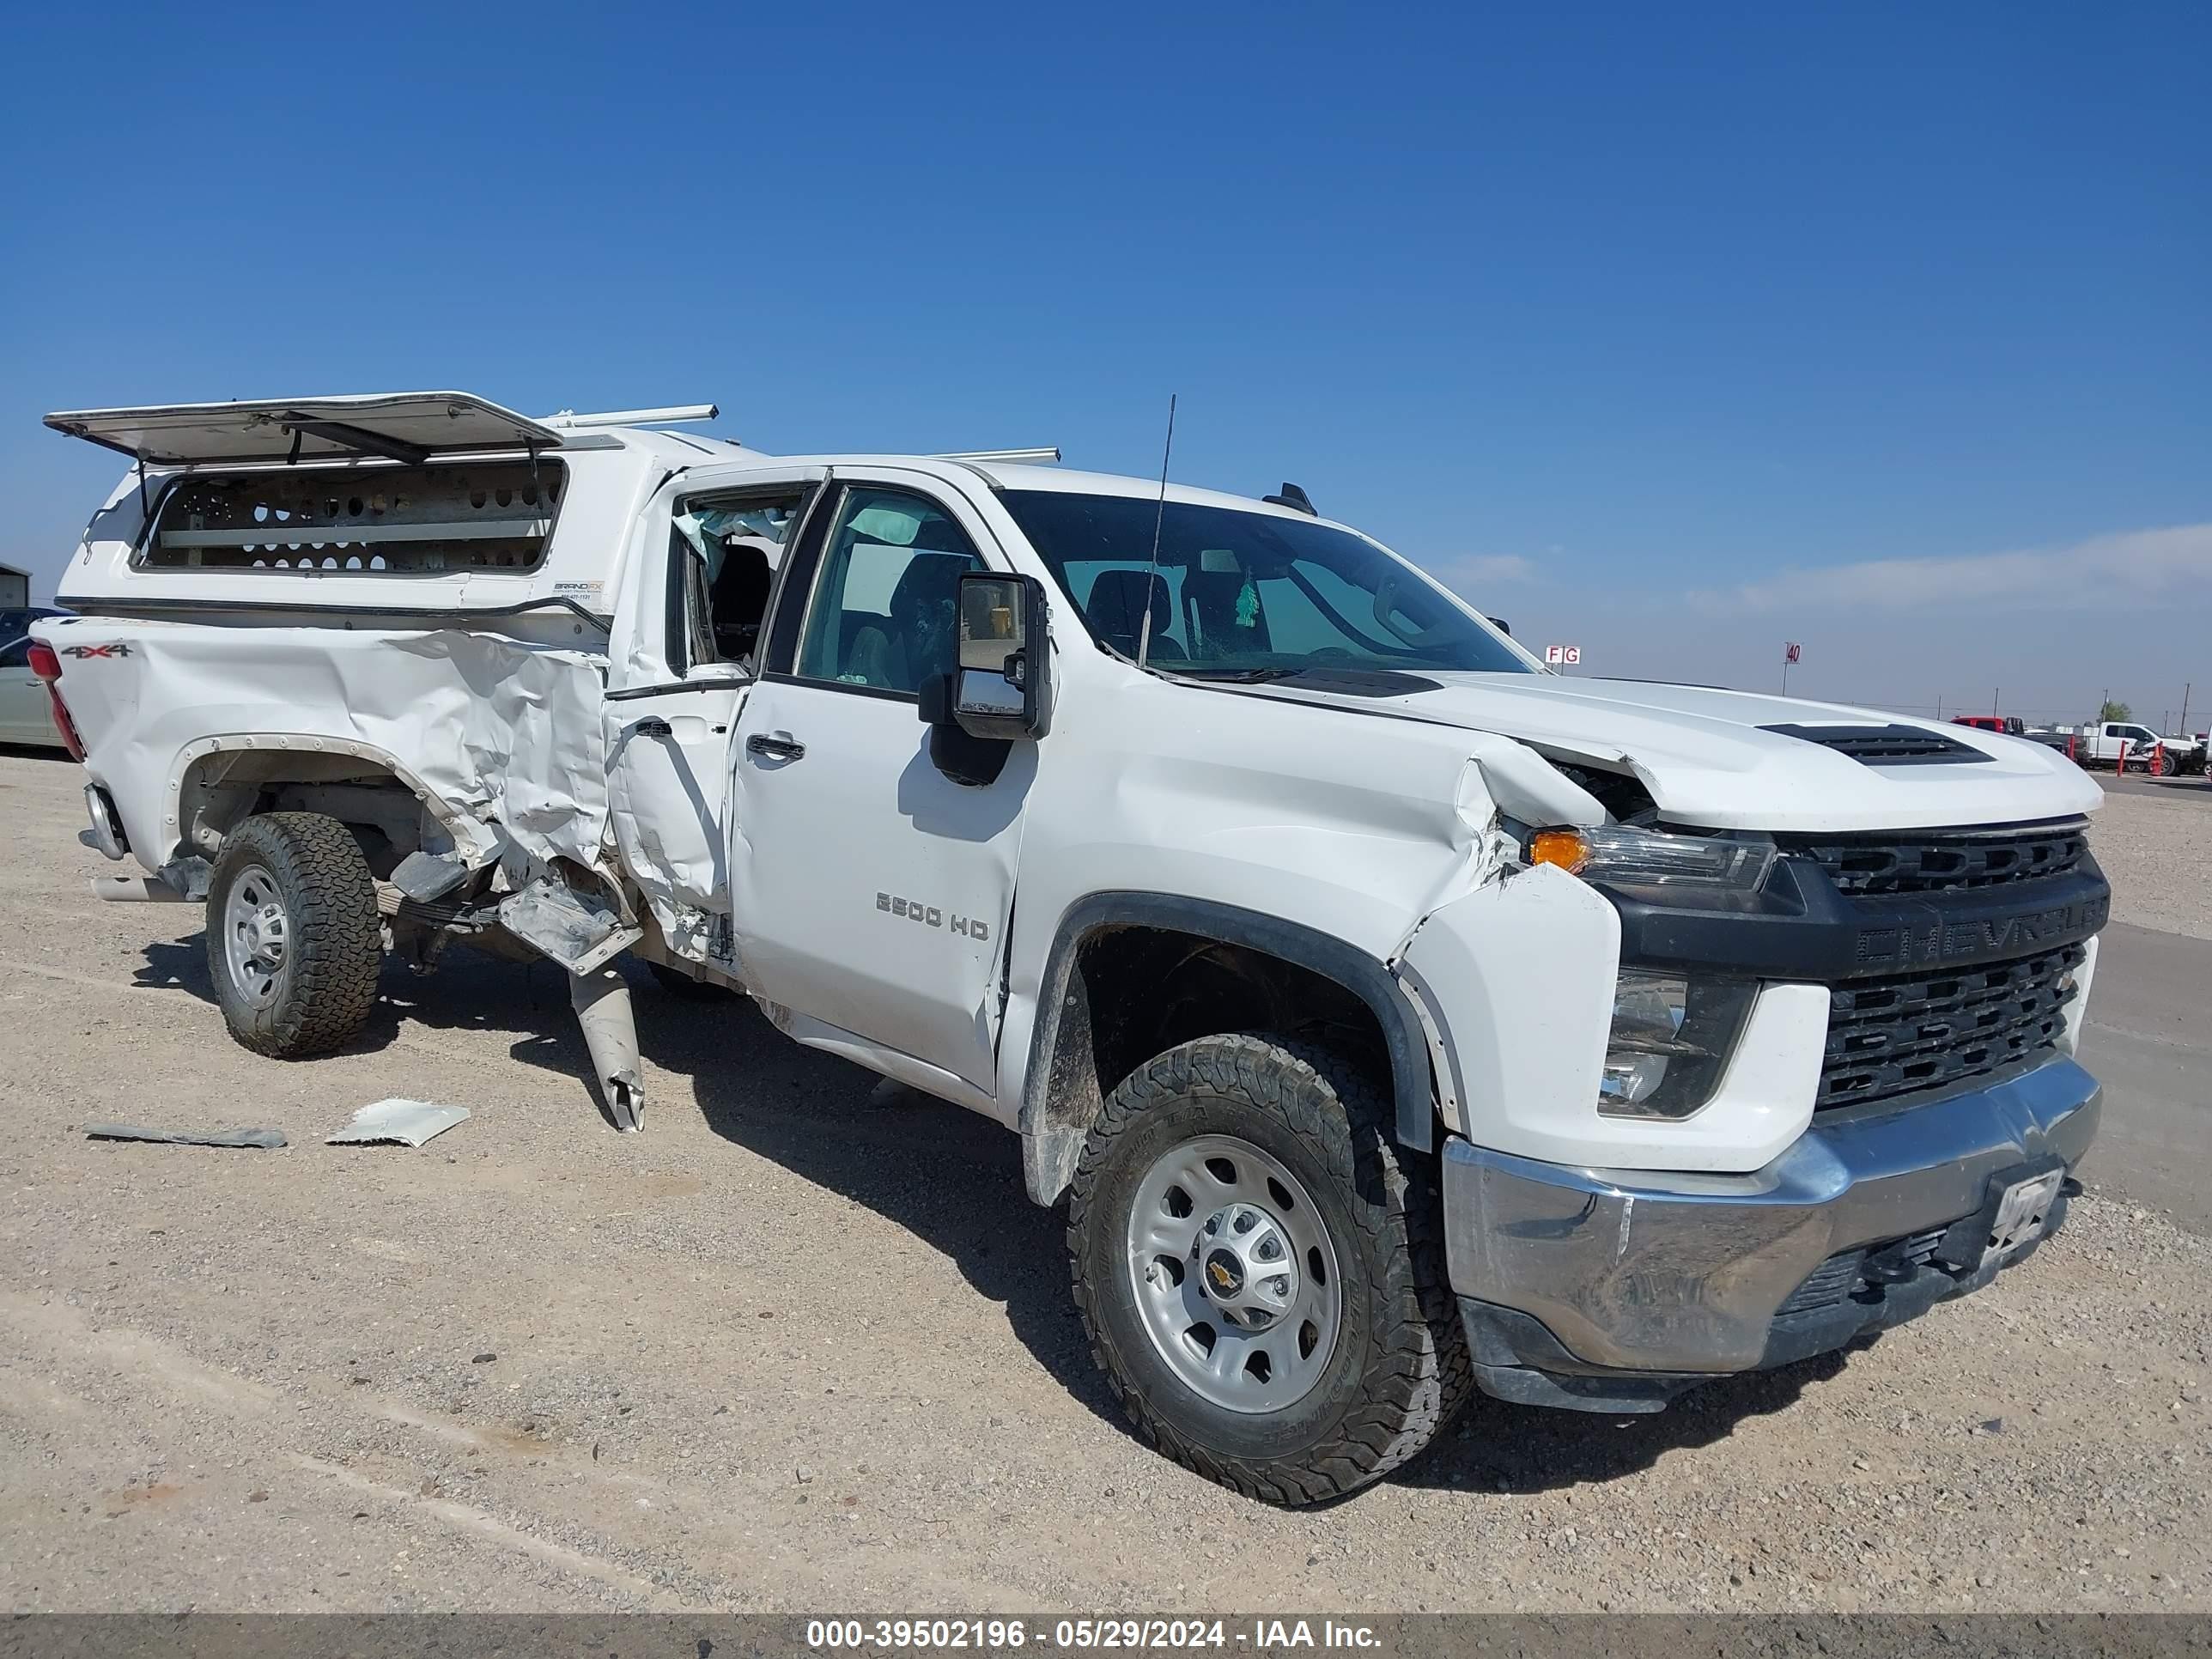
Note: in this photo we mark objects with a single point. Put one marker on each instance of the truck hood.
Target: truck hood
(1710, 758)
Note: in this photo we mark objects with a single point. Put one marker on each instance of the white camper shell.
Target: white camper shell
(424, 504)
(1394, 1014)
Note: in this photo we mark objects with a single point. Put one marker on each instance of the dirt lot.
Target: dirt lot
(2155, 840)
(795, 1348)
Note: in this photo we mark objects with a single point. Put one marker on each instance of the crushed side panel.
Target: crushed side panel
(501, 731)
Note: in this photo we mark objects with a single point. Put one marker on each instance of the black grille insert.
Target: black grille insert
(1885, 745)
(1942, 861)
(1897, 1036)
(1858, 1274)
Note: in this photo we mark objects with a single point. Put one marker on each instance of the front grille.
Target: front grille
(1942, 861)
(1885, 745)
(1896, 1037)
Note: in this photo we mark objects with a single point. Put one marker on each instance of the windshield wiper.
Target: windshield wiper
(1242, 675)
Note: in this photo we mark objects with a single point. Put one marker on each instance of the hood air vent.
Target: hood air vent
(1885, 745)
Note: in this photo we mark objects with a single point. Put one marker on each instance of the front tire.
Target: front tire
(1259, 1268)
(293, 940)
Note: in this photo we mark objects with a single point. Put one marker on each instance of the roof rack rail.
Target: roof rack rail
(1010, 457)
(672, 415)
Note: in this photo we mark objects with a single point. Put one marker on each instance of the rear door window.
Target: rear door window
(723, 550)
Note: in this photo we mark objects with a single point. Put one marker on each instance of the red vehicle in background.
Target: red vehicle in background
(2011, 725)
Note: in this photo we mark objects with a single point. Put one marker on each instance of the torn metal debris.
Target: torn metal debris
(397, 1122)
(266, 1139)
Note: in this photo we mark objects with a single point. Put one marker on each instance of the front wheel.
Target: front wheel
(293, 940)
(1257, 1266)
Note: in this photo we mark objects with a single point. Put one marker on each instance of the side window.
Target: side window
(881, 614)
(723, 551)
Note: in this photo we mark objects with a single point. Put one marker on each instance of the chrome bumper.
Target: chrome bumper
(1631, 1271)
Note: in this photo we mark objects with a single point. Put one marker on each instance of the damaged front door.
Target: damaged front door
(694, 597)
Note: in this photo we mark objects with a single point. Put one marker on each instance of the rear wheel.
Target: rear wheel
(1257, 1266)
(293, 940)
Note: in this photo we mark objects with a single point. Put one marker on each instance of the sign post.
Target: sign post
(1789, 655)
(1567, 656)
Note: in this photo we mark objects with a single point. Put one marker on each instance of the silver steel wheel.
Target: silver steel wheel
(1233, 1273)
(256, 933)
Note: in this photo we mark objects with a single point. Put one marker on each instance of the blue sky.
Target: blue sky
(1610, 315)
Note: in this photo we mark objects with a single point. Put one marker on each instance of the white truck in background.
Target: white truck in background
(2126, 746)
(1392, 1015)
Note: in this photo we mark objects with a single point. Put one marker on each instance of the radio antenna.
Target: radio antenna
(1152, 575)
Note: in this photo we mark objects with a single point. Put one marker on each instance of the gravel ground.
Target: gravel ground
(2154, 841)
(797, 1348)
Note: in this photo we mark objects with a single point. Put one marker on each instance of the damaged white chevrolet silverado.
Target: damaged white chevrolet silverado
(1393, 1016)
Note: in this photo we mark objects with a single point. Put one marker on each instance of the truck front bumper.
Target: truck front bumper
(1615, 1290)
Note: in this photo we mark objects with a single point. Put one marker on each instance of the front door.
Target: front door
(694, 596)
(869, 890)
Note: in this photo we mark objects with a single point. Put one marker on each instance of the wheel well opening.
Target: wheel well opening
(1135, 992)
(388, 820)
(1151, 990)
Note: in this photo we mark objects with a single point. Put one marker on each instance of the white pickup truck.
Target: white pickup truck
(1392, 1015)
(2123, 743)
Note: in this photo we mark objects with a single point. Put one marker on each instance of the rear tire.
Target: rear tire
(293, 937)
(1340, 1367)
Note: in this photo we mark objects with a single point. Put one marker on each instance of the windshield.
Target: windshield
(1245, 593)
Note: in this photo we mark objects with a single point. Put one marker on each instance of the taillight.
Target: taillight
(48, 667)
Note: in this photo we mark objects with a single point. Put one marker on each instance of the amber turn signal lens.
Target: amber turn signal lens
(1563, 847)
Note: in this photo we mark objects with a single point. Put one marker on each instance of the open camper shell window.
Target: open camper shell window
(436, 520)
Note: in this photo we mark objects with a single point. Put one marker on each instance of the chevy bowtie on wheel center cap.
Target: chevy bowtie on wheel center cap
(1245, 1266)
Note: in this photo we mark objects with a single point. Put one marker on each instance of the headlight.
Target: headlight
(1653, 858)
(1671, 1037)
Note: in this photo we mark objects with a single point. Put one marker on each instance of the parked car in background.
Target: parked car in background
(2010, 725)
(2185, 754)
(27, 709)
(2128, 743)
(2064, 742)
(16, 620)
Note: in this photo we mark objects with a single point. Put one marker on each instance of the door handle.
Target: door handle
(654, 726)
(773, 747)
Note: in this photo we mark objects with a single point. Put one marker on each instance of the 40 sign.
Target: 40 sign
(1566, 655)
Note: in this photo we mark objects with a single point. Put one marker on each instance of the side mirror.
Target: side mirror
(1502, 626)
(1002, 677)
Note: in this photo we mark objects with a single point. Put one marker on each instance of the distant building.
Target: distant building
(14, 587)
